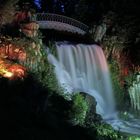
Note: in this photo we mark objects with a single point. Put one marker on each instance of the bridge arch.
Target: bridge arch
(61, 23)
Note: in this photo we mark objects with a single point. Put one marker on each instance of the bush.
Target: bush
(79, 109)
(117, 88)
(106, 132)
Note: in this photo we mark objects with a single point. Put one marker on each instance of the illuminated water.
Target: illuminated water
(84, 68)
(134, 92)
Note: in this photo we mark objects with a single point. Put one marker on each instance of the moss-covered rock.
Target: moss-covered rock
(79, 109)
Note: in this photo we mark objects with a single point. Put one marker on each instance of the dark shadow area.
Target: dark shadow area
(31, 112)
(10, 30)
(53, 35)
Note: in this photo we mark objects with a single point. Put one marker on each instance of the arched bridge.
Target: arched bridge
(61, 23)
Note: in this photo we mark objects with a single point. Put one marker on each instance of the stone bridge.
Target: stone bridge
(60, 23)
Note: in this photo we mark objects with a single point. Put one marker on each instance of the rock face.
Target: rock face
(20, 51)
(92, 116)
(11, 70)
(91, 101)
(9, 54)
(7, 10)
(30, 29)
(12, 52)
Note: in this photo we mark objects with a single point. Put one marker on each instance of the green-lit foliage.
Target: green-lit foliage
(79, 109)
(117, 88)
(106, 132)
(52, 48)
(124, 115)
(134, 138)
(131, 78)
(45, 72)
(37, 62)
(113, 47)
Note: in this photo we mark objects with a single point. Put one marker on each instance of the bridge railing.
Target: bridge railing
(61, 18)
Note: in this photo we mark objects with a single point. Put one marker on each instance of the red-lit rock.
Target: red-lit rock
(30, 29)
(10, 70)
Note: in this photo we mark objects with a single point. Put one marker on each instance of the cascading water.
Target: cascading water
(134, 92)
(84, 68)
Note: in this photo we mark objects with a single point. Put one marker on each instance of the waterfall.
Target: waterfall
(134, 92)
(83, 68)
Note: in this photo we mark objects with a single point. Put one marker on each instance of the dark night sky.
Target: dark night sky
(94, 6)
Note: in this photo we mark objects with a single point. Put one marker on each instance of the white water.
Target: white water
(84, 68)
(134, 92)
